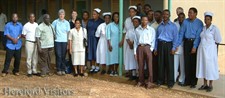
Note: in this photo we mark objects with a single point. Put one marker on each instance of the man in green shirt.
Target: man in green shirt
(45, 43)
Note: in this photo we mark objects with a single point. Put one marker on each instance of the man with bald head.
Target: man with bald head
(30, 45)
(13, 31)
(45, 43)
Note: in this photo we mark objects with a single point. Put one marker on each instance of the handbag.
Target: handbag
(85, 43)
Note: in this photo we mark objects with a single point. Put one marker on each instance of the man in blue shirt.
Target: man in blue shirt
(13, 31)
(190, 34)
(166, 43)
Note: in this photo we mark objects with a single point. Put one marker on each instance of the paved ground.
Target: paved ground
(105, 86)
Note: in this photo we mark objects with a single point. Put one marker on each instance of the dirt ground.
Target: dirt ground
(71, 87)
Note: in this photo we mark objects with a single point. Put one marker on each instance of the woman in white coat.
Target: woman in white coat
(102, 43)
(207, 60)
(128, 25)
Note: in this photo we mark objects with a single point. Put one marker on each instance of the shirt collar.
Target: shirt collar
(17, 23)
(169, 22)
(140, 27)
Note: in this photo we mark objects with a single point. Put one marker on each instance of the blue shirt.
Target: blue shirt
(62, 27)
(167, 32)
(191, 29)
(13, 31)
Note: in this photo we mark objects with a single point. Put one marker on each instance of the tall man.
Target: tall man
(3, 20)
(13, 31)
(190, 34)
(143, 46)
(158, 20)
(166, 40)
(30, 45)
(45, 43)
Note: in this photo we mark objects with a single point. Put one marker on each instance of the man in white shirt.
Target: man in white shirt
(3, 20)
(143, 46)
(31, 45)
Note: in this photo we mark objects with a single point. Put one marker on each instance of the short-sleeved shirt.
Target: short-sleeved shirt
(29, 30)
(3, 20)
(45, 33)
(62, 27)
(14, 31)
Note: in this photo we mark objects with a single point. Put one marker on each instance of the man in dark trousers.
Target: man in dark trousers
(13, 31)
(190, 34)
(166, 41)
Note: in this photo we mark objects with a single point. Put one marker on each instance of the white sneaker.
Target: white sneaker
(115, 74)
(92, 69)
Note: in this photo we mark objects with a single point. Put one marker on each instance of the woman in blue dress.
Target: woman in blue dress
(91, 27)
(112, 36)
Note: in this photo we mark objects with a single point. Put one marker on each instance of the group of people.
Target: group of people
(156, 48)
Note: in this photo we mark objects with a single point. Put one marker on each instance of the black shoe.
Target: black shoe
(180, 83)
(192, 86)
(203, 87)
(29, 75)
(132, 78)
(209, 89)
(36, 74)
(81, 74)
(170, 86)
(108, 72)
(103, 72)
(75, 74)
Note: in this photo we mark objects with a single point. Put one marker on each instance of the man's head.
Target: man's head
(46, 19)
(32, 17)
(144, 20)
(150, 15)
(14, 17)
(147, 7)
(181, 17)
(166, 15)
(192, 13)
(158, 15)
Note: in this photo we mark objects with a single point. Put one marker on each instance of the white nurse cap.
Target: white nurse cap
(136, 17)
(134, 7)
(106, 13)
(97, 10)
(208, 14)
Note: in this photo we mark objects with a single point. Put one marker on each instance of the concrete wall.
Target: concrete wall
(215, 6)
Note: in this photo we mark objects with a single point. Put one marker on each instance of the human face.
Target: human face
(47, 19)
(77, 24)
(208, 21)
(157, 16)
(132, 12)
(150, 15)
(135, 22)
(61, 16)
(95, 15)
(85, 16)
(32, 18)
(181, 18)
(191, 14)
(14, 18)
(146, 9)
(179, 11)
(116, 18)
(166, 15)
(74, 15)
(107, 19)
(144, 21)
